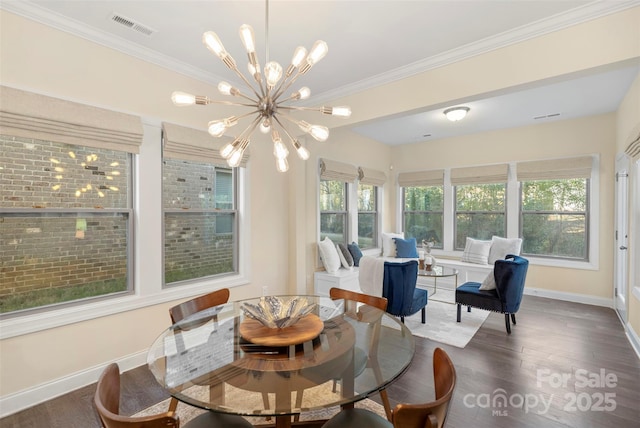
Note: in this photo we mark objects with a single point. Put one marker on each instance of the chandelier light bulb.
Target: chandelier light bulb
(248, 38)
(228, 149)
(279, 149)
(303, 93)
(282, 165)
(213, 43)
(273, 73)
(317, 52)
(303, 153)
(217, 128)
(265, 126)
(224, 88)
(320, 133)
(183, 98)
(342, 111)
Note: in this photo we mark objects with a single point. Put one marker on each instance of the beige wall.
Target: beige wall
(283, 206)
(590, 135)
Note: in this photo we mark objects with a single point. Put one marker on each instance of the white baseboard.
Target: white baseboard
(22, 400)
(570, 297)
(634, 339)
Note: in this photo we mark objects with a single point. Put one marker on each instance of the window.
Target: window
(423, 213)
(334, 201)
(423, 205)
(479, 212)
(479, 207)
(333, 211)
(367, 216)
(199, 220)
(554, 207)
(65, 223)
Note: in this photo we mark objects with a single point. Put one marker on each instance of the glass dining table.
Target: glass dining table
(213, 360)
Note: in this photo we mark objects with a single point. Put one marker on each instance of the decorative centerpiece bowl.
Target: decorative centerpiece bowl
(274, 312)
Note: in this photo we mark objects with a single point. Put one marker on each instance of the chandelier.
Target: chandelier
(266, 99)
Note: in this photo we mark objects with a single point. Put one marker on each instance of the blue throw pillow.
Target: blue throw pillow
(356, 253)
(406, 248)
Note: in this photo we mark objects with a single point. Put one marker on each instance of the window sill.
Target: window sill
(43, 320)
(534, 261)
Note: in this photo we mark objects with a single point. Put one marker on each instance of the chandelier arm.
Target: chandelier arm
(289, 118)
(318, 109)
(251, 127)
(284, 87)
(230, 103)
(246, 97)
(284, 128)
(247, 82)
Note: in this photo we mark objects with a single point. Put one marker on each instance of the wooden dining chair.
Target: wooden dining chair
(365, 358)
(430, 415)
(107, 402)
(190, 307)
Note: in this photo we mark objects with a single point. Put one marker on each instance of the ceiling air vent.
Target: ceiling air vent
(132, 24)
(546, 116)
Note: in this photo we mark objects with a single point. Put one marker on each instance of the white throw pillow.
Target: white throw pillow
(500, 247)
(476, 251)
(329, 255)
(489, 282)
(388, 244)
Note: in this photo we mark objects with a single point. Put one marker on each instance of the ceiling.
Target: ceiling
(370, 43)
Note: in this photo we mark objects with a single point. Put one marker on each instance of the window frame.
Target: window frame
(512, 219)
(147, 278)
(456, 212)
(346, 213)
(195, 211)
(375, 213)
(74, 213)
(404, 212)
(587, 220)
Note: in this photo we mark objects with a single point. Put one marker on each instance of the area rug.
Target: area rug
(187, 412)
(441, 325)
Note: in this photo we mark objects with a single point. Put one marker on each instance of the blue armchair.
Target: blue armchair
(399, 287)
(510, 275)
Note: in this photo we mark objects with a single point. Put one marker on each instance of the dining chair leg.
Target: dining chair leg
(265, 403)
(296, 417)
(385, 403)
(173, 404)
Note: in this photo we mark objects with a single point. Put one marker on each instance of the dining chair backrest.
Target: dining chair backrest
(197, 304)
(435, 412)
(107, 402)
(340, 293)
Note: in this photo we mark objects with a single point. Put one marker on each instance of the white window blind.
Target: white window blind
(486, 174)
(371, 176)
(30, 115)
(555, 169)
(421, 178)
(334, 170)
(194, 145)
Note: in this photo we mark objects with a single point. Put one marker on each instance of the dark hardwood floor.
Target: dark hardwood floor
(553, 340)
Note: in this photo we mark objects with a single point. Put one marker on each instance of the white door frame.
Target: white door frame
(621, 237)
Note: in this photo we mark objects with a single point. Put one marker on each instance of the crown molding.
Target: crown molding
(593, 10)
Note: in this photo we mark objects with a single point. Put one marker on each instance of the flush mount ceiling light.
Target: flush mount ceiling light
(455, 114)
(266, 101)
